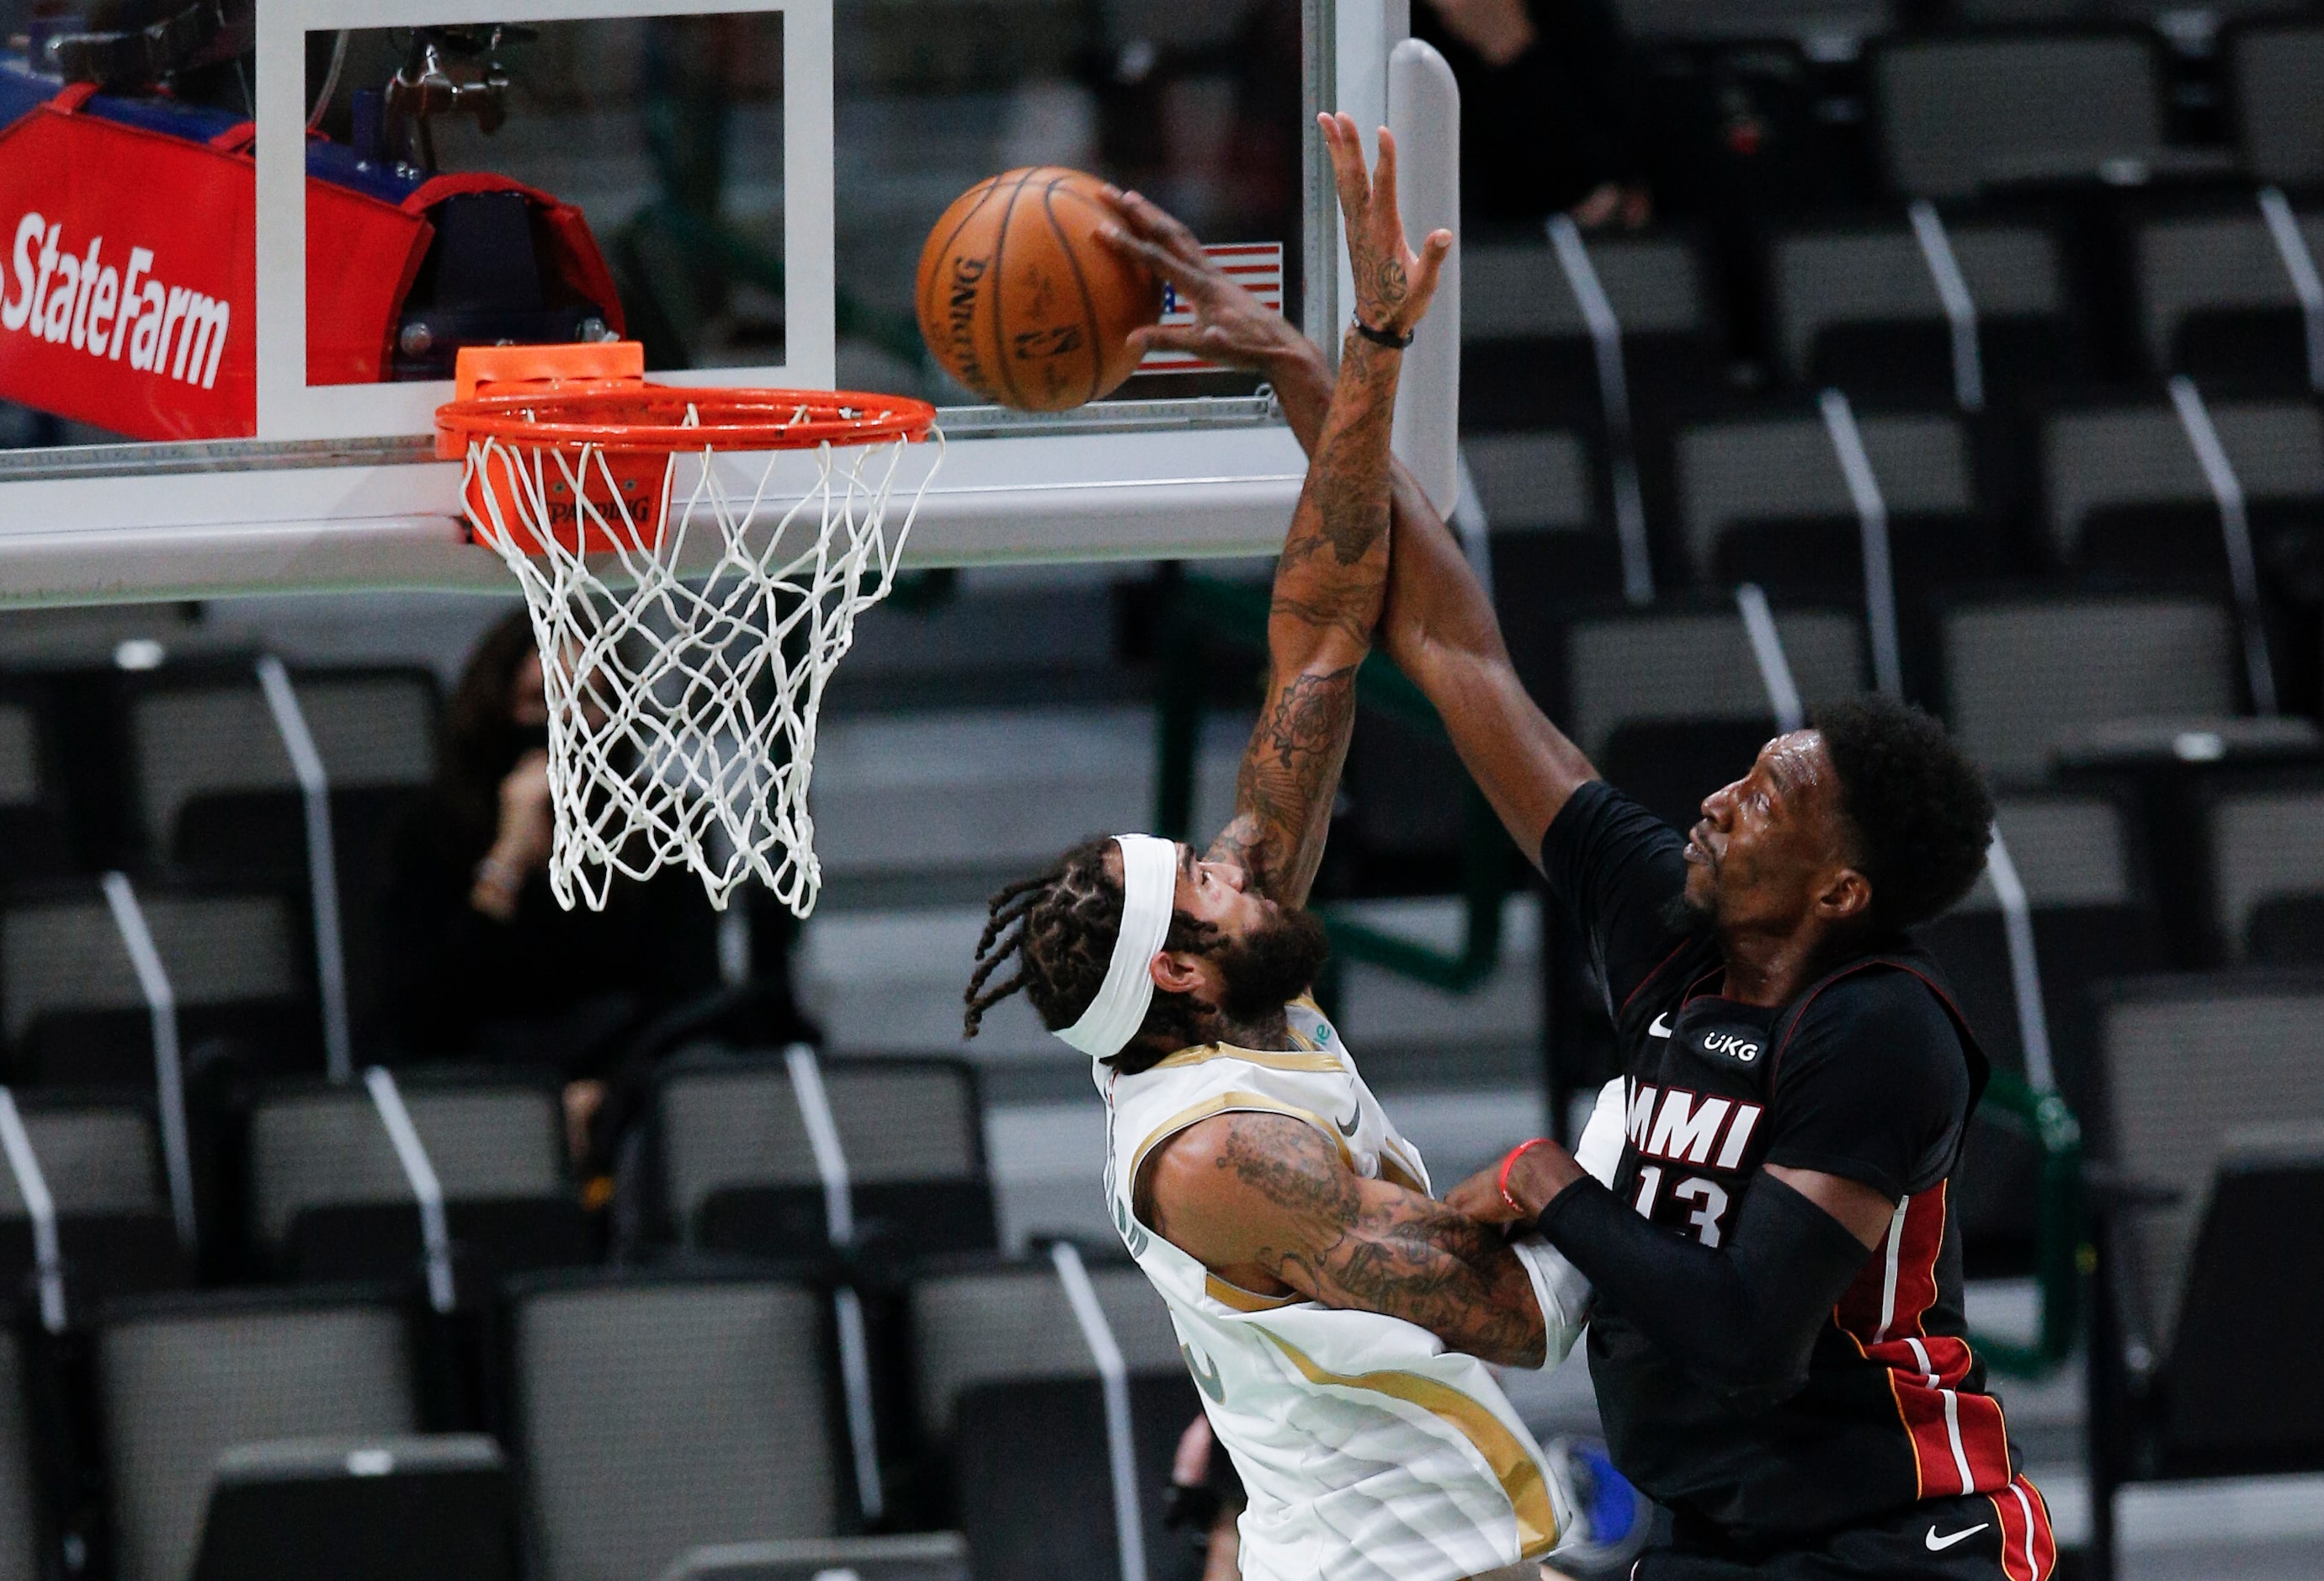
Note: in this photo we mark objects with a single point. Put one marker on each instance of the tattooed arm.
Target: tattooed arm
(1265, 1202)
(1331, 583)
(1437, 624)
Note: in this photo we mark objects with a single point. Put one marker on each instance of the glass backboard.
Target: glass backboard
(237, 285)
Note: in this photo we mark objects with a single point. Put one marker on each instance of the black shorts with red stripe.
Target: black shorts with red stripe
(2002, 1536)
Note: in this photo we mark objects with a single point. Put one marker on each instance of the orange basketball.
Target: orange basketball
(1022, 302)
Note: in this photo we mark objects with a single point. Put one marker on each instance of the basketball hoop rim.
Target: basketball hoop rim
(726, 419)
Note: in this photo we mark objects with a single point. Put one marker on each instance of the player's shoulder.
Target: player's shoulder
(1889, 1009)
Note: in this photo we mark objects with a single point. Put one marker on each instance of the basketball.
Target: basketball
(1020, 300)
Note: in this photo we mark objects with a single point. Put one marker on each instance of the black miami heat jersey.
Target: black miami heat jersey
(1869, 1074)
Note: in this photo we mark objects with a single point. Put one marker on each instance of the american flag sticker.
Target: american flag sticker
(1256, 266)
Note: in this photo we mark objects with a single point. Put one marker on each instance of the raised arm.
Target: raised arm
(1331, 582)
(1265, 1201)
(1437, 624)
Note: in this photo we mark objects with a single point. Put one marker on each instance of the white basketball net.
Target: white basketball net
(682, 689)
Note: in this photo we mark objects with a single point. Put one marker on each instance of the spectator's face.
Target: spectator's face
(528, 697)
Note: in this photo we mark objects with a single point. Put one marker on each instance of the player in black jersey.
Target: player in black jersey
(1778, 1345)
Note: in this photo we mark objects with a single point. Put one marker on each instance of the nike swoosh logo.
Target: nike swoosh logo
(1662, 1027)
(1938, 1544)
(1348, 1126)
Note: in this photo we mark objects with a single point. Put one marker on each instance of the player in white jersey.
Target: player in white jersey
(1337, 1319)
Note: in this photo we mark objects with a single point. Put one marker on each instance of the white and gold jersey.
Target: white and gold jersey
(1370, 1452)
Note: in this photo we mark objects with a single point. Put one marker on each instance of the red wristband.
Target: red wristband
(1502, 1179)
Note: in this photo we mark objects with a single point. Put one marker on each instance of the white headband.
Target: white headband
(1149, 896)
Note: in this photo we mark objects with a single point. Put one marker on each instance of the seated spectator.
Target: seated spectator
(482, 963)
(1548, 100)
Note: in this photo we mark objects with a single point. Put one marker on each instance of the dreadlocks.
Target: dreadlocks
(1059, 928)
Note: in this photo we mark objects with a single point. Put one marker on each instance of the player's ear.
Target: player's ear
(1846, 896)
(1176, 971)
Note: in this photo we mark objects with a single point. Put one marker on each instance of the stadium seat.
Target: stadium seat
(1669, 704)
(102, 1165)
(2123, 491)
(182, 1380)
(22, 1541)
(1960, 114)
(328, 1198)
(2025, 672)
(1012, 1420)
(1527, 357)
(658, 1413)
(1753, 19)
(388, 1507)
(2211, 1234)
(2273, 69)
(35, 841)
(1548, 535)
(74, 1011)
(217, 800)
(211, 733)
(1857, 307)
(2094, 919)
(2215, 300)
(930, 1556)
(1762, 498)
(2266, 860)
(737, 1172)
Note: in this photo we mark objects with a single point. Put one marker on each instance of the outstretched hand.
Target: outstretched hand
(1231, 326)
(1393, 283)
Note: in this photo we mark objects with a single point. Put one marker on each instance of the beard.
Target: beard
(1266, 970)
(1685, 919)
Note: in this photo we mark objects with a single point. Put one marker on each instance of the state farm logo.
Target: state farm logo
(88, 304)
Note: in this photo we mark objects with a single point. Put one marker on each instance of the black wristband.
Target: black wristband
(1388, 338)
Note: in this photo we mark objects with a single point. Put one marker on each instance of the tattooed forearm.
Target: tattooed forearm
(1353, 616)
(1283, 790)
(1344, 507)
(1353, 1242)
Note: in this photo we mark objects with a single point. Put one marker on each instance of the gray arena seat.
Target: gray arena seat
(737, 1173)
(35, 841)
(1537, 482)
(212, 735)
(1855, 306)
(1551, 540)
(2023, 674)
(1527, 355)
(183, 1380)
(2267, 874)
(1669, 704)
(70, 1001)
(217, 799)
(2211, 1232)
(101, 1164)
(2094, 918)
(2123, 489)
(383, 1507)
(656, 1414)
(1763, 498)
(1754, 19)
(1624, 669)
(1012, 1420)
(2274, 67)
(1959, 114)
(329, 1198)
(2215, 300)
(21, 1542)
